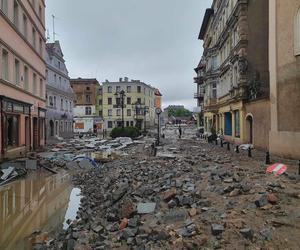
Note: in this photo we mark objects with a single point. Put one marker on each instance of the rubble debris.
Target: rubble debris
(146, 208)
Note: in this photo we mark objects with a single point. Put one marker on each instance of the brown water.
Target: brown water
(40, 201)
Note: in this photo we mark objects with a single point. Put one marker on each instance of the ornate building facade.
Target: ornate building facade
(60, 96)
(232, 76)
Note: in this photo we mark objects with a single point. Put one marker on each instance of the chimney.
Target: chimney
(120, 79)
(126, 79)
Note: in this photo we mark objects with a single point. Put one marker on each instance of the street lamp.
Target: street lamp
(158, 111)
(121, 95)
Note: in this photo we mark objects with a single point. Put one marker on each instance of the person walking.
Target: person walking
(180, 131)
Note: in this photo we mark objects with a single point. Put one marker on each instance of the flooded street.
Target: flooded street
(40, 201)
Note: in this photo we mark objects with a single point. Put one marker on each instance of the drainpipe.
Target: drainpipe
(30, 132)
(2, 127)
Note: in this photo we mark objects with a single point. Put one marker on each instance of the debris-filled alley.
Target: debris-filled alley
(191, 195)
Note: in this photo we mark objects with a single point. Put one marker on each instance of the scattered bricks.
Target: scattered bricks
(272, 199)
(170, 194)
(247, 233)
(234, 193)
(127, 209)
(123, 224)
(262, 201)
(217, 229)
(193, 212)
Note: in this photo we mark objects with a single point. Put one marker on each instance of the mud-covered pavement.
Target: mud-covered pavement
(193, 195)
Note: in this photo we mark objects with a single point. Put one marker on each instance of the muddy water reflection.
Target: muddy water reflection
(38, 202)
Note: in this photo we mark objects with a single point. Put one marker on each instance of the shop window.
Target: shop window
(228, 123)
(297, 33)
(237, 123)
(12, 131)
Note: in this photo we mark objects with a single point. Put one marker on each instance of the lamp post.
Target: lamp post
(121, 95)
(158, 111)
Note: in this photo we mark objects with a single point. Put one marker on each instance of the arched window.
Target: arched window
(297, 33)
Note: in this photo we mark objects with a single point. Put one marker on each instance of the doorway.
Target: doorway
(51, 128)
(35, 133)
(249, 128)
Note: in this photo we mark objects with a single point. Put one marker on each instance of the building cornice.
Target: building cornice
(17, 87)
(60, 92)
(208, 13)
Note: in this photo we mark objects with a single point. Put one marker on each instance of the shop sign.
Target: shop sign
(18, 108)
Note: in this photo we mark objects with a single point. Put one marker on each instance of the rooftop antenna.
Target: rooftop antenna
(53, 22)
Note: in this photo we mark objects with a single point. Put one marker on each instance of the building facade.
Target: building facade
(60, 96)
(138, 108)
(233, 74)
(86, 120)
(22, 76)
(284, 57)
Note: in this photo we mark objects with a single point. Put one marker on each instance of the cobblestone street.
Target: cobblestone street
(193, 195)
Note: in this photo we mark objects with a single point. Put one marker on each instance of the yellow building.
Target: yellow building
(138, 107)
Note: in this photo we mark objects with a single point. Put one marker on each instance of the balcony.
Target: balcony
(199, 79)
(199, 95)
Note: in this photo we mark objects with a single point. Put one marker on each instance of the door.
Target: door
(35, 133)
(228, 123)
(249, 122)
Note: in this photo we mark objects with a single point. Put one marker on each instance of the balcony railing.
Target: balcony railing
(199, 95)
(199, 79)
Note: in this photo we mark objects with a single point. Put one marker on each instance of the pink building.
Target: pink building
(22, 76)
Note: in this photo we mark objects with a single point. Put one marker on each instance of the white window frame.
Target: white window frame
(297, 34)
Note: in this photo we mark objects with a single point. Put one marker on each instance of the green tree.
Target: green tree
(182, 112)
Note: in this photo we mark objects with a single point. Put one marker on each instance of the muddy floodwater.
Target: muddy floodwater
(40, 201)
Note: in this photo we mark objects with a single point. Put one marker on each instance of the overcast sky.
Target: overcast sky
(154, 41)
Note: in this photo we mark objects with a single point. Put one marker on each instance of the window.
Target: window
(118, 89)
(110, 112)
(109, 101)
(17, 72)
(41, 88)
(128, 89)
(129, 100)
(214, 63)
(139, 101)
(16, 14)
(139, 89)
(118, 101)
(41, 47)
(33, 37)
(55, 78)
(54, 101)
(100, 102)
(297, 33)
(118, 112)
(51, 101)
(237, 123)
(12, 131)
(70, 106)
(25, 26)
(109, 124)
(26, 80)
(128, 112)
(214, 90)
(34, 86)
(100, 113)
(66, 107)
(88, 88)
(131, 123)
(40, 12)
(61, 104)
(109, 89)
(5, 72)
(3, 6)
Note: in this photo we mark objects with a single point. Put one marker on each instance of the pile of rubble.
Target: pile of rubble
(200, 198)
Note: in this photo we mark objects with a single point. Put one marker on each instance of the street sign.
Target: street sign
(158, 111)
(277, 169)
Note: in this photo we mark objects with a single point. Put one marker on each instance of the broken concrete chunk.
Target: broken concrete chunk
(7, 173)
(217, 229)
(146, 208)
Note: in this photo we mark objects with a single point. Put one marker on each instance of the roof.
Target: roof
(157, 93)
(82, 80)
(54, 49)
(208, 13)
(200, 66)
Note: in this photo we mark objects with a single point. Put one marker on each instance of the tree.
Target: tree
(181, 112)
